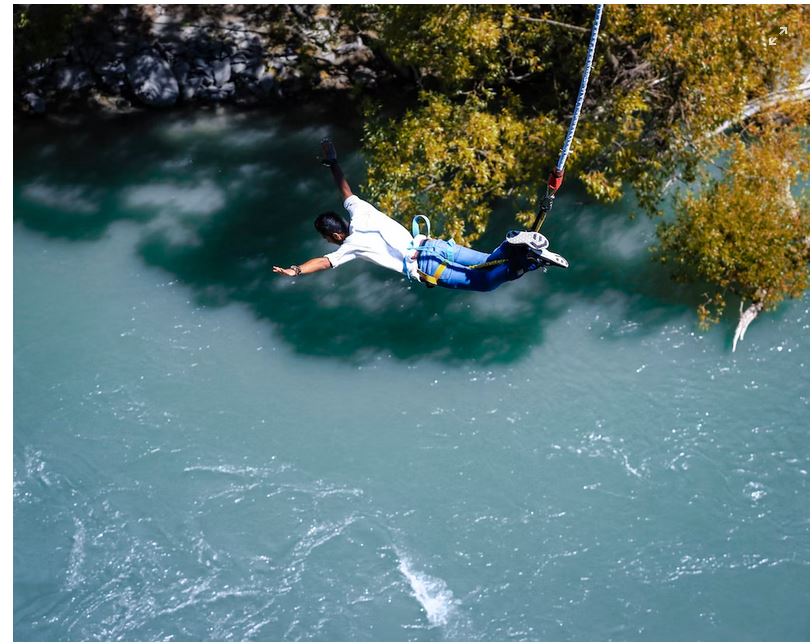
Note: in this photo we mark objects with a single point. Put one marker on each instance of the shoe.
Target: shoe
(533, 240)
(549, 258)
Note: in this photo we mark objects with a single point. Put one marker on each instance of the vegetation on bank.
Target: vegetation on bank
(694, 106)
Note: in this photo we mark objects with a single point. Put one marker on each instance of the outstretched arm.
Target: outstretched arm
(330, 159)
(310, 266)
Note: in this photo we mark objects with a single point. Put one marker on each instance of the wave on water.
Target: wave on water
(77, 556)
(431, 592)
(254, 476)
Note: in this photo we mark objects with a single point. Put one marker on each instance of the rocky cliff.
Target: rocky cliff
(122, 57)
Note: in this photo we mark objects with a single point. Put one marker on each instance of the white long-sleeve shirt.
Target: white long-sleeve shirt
(376, 238)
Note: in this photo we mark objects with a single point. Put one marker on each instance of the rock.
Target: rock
(228, 89)
(266, 86)
(325, 57)
(206, 57)
(191, 86)
(40, 67)
(300, 11)
(117, 49)
(255, 69)
(239, 63)
(73, 79)
(222, 71)
(202, 68)
(109, 103)
(111, 67)
(152, 81)
(254, 47)
(113, 74)
(365, 77)
(319, 35)
(354, 54)
(337, 82)
(218, 94)
(35, 102)
(180, 68)
(350, 47)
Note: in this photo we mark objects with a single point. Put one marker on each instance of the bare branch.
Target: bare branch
(565, 25)
(770, 100)
(745, 318)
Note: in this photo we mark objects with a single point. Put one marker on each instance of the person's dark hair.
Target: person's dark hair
(329, 222)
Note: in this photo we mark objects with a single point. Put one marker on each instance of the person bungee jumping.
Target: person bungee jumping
(377, 238)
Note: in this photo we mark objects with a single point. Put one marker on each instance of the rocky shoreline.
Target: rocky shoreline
(123, 58)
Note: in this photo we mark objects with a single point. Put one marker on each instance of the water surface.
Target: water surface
(204, 450)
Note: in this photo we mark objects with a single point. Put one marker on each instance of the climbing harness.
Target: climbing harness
(433, 279)
(554, 181)
(416, 225)
(414, 250)
(557, 175)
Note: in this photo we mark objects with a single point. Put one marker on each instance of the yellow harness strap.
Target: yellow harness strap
(431, 280)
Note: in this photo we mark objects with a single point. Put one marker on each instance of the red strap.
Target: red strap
(555, 180)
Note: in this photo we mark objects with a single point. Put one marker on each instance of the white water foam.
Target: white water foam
(74, 575)
(432, 593)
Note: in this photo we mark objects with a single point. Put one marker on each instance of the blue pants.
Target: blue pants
(459, 259)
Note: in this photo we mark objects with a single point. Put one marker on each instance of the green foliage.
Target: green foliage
(498, 83)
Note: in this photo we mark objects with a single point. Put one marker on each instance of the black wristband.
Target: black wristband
(297, 269)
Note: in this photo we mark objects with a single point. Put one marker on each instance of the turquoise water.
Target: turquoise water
(206, 451)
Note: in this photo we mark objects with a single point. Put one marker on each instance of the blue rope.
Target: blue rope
(581, 92)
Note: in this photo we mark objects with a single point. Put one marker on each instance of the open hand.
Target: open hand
(328, 152)
(284, 271)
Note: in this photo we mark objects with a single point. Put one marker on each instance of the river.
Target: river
(204, 450)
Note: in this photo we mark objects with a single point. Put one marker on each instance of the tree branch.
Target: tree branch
(745, 318)
(766, 102)
(565, 25)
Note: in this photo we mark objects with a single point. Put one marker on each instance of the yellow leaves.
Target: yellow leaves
(666, 77)
(459, 45)
(630, 108)
(717, 52)
(746, 233)
(455, 42)
(631, 102)
(599, 186)
(448, 161)
(710, 311)
(485, 32)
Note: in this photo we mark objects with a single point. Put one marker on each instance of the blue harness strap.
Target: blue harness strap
(416, 225)
(445, 256)
(411, 248)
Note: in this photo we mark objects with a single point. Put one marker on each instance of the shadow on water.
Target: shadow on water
(220, 197)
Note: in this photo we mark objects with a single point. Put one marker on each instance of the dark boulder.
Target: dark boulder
(152, 80)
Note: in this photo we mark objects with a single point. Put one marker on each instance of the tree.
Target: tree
(674, 90)
(746, 234)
